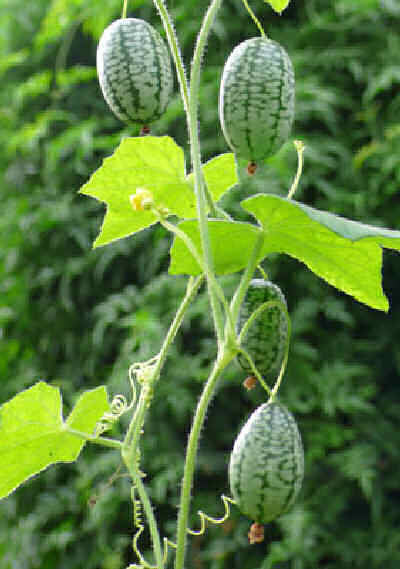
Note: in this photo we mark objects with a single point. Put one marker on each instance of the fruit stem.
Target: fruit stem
(300, 161)
(277, 385)
(254, 18)
(124, 9)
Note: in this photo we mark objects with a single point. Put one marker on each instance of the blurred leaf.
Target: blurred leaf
(32, 431)
(11, 59)
(75, 75)
(38, 84)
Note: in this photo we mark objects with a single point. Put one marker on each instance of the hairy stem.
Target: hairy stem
(175, 50)
(191, 452)
(130, 446)
(203, 199)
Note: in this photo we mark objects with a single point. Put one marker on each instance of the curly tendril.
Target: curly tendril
(204, 518)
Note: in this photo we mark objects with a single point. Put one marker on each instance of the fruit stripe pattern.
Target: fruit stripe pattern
(134, 69)
(267, 336)
(267, 463)
(256, 105)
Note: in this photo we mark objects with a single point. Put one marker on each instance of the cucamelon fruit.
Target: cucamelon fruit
(267, 336)
(256, 103)
(267, 463)
(134, 70)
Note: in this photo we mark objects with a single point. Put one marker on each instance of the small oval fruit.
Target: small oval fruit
(256, 104)
(134, 70)
(267, 463)
(267, 335)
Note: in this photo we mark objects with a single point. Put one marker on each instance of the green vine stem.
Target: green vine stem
(190, 100)
(246, 277)
(190, 460)
(129, 453)
(284, 363)
(200, 189)
(191, 247)
(175, 50)
(103, 441)
(254, 17)
(130, 445)
(267, 306)
(255, 371)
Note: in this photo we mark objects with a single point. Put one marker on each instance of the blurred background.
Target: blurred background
(77, 317)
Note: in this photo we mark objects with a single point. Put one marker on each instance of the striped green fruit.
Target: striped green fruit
(256, 104)
(267, 335)
(267, 463)
(134, 70)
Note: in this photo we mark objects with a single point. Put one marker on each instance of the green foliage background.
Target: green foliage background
(77, 317)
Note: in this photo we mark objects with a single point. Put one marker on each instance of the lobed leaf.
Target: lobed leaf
(152, 163)
(33, 434)
(345, 253)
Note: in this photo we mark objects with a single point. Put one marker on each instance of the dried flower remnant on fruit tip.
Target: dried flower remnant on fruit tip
(141, 200)
(250, 382)
(251, 168)
(145, 130)
(256, 533)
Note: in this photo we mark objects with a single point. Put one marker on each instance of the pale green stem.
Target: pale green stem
(300, 161)
(176, 54)
(124, 9)
(130, 445)
(103, 441)
(191, 247)
(264, 306)
(246, 277)
(254, 370)
(193, 286)
(200, 189)
(129, 452)
(191, 291)
(267, 306)
(191, 451)
(186, 239)
(284, 363)
(254, 17)
(202, 38)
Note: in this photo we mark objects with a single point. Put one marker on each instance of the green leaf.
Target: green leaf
(345, 253)
(220, 175)
(278, 5)
(152, 163)
(33, 435)
(231, 242)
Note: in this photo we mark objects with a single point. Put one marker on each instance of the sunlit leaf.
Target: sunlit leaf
(345, 253)
(278, 5)
(232, 243)
(33, 434)
(152, 163)
(220, 175)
